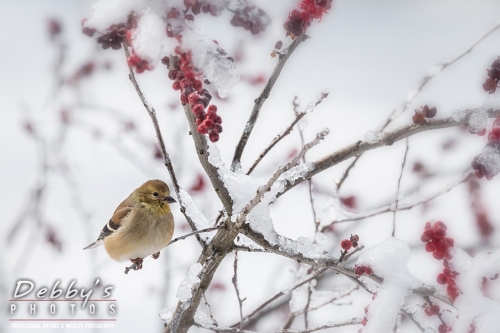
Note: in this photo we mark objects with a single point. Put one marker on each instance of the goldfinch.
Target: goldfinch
(142, 225)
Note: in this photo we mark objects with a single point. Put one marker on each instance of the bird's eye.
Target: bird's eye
(155, 194)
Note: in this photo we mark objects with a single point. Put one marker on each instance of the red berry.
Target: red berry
(212, 108)
(214, 137)
(193, 98)
(441, 279)
(346, 244)
(176, 85)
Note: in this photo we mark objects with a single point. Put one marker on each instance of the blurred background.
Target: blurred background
(76, 141)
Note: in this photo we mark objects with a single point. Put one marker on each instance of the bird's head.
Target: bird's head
(155, 195)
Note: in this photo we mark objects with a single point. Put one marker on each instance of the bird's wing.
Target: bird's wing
(114, 224)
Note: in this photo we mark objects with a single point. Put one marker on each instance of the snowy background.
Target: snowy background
(369, 55)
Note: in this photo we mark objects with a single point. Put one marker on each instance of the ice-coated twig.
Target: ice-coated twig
(288, 130)
(259, 101)
(353, 321)
(398, 188)
(266, 188)
(406, 206)
(234, 280)
(350, 254)
(389, 138)
(195, 233)
(166, 157)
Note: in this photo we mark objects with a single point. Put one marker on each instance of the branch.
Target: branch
(166, 157)
(404, 106)
(262, 98)
(387, 140)
(266, 188)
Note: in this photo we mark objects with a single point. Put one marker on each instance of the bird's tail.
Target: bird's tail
(95, 244)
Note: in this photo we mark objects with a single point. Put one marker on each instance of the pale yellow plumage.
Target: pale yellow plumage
(142, 224)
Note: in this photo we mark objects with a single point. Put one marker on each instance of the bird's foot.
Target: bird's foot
(156, 255)
(136, 265)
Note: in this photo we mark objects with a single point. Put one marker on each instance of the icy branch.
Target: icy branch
(387, 140)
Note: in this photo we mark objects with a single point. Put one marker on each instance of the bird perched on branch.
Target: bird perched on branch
(142, 225)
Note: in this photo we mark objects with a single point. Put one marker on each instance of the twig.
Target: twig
(387, 140)
(399, 186)
(346, 292)
(235, 283)
(353, 321)
(406, 206)
(306, 308)
(262, 98)
(346, 172)
(266, 188)
(214, 322)
(308, 278)
(166, 157)
(195, 233)
(412, 318)
(358, 249)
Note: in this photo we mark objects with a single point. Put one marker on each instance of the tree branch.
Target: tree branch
(262, 98)
(387, 140)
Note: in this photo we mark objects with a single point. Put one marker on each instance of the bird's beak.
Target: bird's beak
(169, 199)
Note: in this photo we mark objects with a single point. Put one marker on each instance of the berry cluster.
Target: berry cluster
(491, 83)
(440, 245)
(251, 18)
(300, 18)
(192, 93)
(117, 33)
(422, 113)
(437, 242)
(139, 64)
(431, 310)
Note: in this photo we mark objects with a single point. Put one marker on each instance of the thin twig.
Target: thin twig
(195, 233)
(399, 187)
(406, 206)
(308, 278)
(266, 188)
(306, 308)
(235, 284)
(346, 172)
(214, 322)
(262, 98)
(353, 321)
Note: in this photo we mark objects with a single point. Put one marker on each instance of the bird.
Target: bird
(141, 225)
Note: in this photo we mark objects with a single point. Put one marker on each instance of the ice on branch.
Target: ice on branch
(459, 115)
(478, 120)
(473, 307)
(196, 215)
(165, 315)
(243, 188)
(373, 136)
(149, 39)
(388, 260)
(208, 57)
(487, 163)
(105, 13)
(184, 292)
